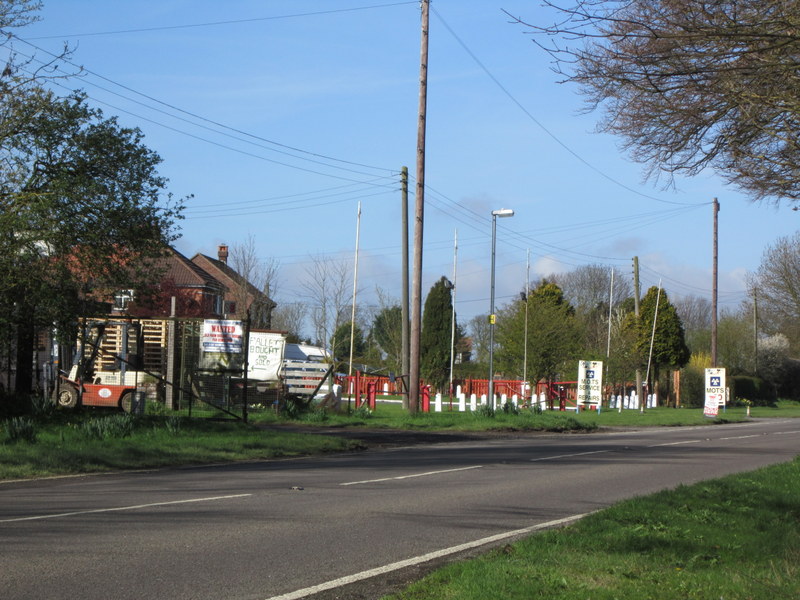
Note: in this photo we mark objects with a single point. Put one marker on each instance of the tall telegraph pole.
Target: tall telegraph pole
(404, 296)
(419, 210)
(715, 277)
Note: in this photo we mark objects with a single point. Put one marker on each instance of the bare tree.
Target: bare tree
(588, 288)
(256, 282)
(290, 317)
(327, 290)
(695, 314)
(777, 284)
(690, 84)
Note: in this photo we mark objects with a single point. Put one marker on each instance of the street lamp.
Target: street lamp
(503, 212)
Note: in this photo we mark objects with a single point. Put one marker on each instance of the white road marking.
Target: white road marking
(569, 455)
(676, 443)
(134, 507)
(741, 437)
(410, 562)
(426, 474)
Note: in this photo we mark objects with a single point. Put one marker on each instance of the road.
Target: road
(291, 528)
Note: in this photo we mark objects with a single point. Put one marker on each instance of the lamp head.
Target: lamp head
(503, 212)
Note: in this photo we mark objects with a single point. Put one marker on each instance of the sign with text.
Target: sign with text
(265, 355)
(715, 391)
(222, 336)
(590, 382)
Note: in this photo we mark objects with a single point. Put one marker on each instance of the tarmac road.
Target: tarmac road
(343, 526)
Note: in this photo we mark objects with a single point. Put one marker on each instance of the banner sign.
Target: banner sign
(265, 355)
(222, 336)
(715, 391)
(590, 382)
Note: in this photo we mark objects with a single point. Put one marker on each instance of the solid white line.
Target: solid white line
(135, 507)
(741, 437)
(328, 585)
(426, 474)
(569, 455)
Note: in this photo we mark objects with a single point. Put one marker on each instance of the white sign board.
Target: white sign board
(715, 391)
(265, 355)
(590, 382)
(222, 336)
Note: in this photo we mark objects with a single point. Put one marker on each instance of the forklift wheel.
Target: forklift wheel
(126, 402)
(68, 397)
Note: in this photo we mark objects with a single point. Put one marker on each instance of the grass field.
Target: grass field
(736, 538)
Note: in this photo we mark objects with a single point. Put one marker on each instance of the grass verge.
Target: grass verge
(732, 538)
(87, 443)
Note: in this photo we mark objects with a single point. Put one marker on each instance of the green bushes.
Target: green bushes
(755, 389)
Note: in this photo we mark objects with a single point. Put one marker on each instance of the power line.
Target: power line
(541, 125)
(217, 23)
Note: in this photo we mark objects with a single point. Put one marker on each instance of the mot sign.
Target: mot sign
(715, 391)
(590, 383)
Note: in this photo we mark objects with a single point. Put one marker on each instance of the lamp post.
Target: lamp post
(503, 212)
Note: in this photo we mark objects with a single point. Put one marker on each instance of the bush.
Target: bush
(693, 387)
(21, 429)
(759, 391)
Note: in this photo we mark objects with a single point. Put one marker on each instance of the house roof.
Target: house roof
(186, 273)
(228, 276)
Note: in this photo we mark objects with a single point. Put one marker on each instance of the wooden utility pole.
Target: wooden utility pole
(419, 210)
(715, 278)
(404, 297)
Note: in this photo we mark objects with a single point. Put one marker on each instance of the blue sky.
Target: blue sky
(280, 116)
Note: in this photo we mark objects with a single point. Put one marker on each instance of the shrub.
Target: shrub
(759, 391)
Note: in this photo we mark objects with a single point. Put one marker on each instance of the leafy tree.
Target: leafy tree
(387, 330)
(479, 331)
(554, 335)
(81, 214)
(691, 84)
(436, 334)
(735, 342)
(669, 348)
(341, 344)
(587, 289)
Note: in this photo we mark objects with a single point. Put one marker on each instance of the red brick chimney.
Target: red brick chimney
(222, 253)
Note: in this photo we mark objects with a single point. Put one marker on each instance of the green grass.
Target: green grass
(87, 441)
(69, 443)
(393, 416)
(733, 538)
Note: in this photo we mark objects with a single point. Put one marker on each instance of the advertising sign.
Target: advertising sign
(222, 336)
(590, 383)
(265, 355)
(715, 391)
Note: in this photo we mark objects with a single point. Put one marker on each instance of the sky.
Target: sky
(275, 119)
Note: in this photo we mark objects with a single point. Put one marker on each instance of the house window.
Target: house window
(218, 304)
(230, 307)
(122, 298)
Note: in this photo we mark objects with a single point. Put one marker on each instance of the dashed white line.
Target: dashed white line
(569, 455)
(329, 585)
(676, 443)
(119, 508)
(426, 474)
